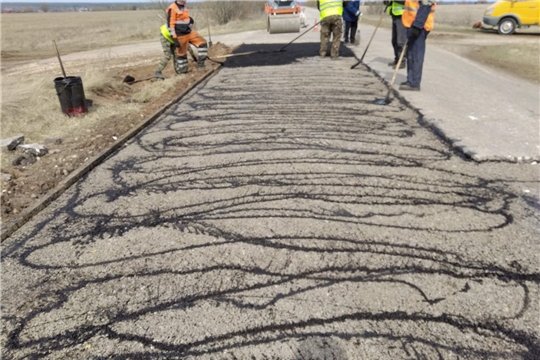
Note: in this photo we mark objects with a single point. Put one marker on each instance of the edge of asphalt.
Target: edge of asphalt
(423, 120)
(463, 151)
(466, 119)
(7, 230)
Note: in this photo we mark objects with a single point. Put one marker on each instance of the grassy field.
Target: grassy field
(26, 36)
(29, 36)
(518, 59)
(459, 15)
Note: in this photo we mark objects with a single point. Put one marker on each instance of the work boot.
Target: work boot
(200, 65)
(408, 87)
(159, 75)
(392, 64)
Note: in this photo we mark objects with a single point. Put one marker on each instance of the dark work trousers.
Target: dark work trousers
(350, 30)
(416, 49)
(399, 36)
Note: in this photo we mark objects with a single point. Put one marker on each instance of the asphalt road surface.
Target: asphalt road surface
(277, 213)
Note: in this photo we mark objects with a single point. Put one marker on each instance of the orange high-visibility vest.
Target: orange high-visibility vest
(178, 20)
(411, 8)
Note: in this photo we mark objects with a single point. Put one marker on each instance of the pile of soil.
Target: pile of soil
(29, 183)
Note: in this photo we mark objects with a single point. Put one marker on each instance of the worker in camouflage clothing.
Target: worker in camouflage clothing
(167, 43)
(331, 23)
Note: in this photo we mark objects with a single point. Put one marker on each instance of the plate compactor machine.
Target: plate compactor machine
(283, 16)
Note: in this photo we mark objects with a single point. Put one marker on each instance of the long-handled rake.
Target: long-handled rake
(298, 37)
(387, 99)
(369, 43)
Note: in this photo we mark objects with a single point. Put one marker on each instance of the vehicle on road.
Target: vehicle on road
(283, 16)
(508, 15)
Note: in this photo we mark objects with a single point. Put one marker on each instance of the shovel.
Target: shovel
(131, 80)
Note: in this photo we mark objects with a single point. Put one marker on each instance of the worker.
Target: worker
(331, 23)
(167, 43)
(180, 26)
(399, 32)
(351, 13)
(418, 17)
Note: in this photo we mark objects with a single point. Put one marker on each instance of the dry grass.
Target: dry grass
(31, 107)
(30, 35)
(518, 59)
(459, 15)
(80, 31)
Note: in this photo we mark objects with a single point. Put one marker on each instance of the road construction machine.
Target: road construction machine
(283, 16)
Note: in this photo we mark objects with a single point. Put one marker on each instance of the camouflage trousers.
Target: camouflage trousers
(331, 25)
(168, 53)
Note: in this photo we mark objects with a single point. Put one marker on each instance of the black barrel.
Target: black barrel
(70, 92)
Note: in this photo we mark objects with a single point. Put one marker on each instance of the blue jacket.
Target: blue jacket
(351, 11)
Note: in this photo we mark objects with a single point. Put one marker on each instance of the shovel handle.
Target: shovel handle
(239, 54)
(391, 86)
(209, 36)
(370, 40)
(60, 60)
(298, 37)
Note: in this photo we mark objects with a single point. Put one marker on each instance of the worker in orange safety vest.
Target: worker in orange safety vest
(418, 17)
(181, 30)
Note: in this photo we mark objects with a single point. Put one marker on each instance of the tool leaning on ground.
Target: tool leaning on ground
(207, 57)
(369, 43)
(266, 52)
(387, 99)
(70, 91)
(130, 80)
(210, 45)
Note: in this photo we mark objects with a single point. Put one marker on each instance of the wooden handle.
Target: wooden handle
(60, 60)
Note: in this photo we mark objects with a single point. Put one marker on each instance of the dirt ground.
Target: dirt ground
(29, 183)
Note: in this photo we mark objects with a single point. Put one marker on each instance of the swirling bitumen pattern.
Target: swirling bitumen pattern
(273, 215)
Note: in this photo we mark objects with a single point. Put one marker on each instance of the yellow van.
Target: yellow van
(507, 15)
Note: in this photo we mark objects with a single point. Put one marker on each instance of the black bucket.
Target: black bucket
(71, 95)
